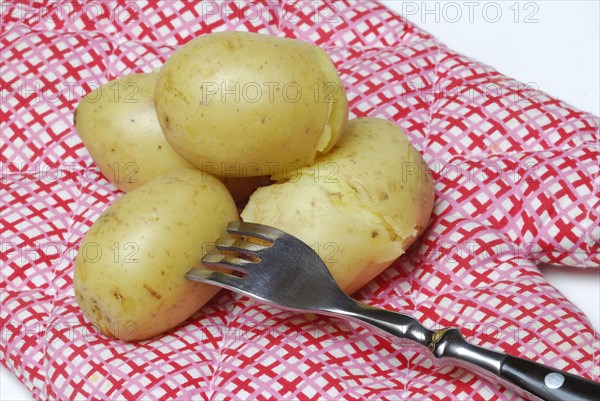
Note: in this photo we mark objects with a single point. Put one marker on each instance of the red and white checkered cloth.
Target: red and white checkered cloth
(517, 176)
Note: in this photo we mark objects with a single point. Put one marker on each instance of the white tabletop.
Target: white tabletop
(552, 44)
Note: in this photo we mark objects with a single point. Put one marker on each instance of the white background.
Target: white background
(554, 44)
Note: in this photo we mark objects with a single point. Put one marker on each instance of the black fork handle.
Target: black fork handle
(547, 383)
(541, 381)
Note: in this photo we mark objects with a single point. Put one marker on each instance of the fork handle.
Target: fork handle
(450, 347)
(519, 374)
(547, 383)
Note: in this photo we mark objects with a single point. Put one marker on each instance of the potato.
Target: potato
(250, 104)
(360, 206)
(118, 125)
(129, 270)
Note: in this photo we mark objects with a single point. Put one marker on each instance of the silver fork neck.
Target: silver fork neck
(395, 326)
(445, 343)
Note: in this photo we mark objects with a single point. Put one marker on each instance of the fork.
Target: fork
(281, 270)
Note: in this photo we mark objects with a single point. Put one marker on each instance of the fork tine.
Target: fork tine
(216, 278)
(259, 231)
(226, 261)
(247, 248)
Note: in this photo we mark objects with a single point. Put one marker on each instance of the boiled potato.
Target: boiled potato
(130, 268)
(118, 125)
(360, 206)
(249, 103)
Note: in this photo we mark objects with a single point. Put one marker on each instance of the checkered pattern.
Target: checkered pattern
(516, 184)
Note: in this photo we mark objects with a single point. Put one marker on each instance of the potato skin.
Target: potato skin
(360, 206)
(250, 103)
(129, 271)
(118, 125)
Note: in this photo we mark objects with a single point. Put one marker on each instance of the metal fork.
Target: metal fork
(281, 270)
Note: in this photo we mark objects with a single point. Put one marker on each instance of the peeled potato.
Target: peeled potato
(248, 104)
(360, 206)
(130, 268)
(118, 125)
